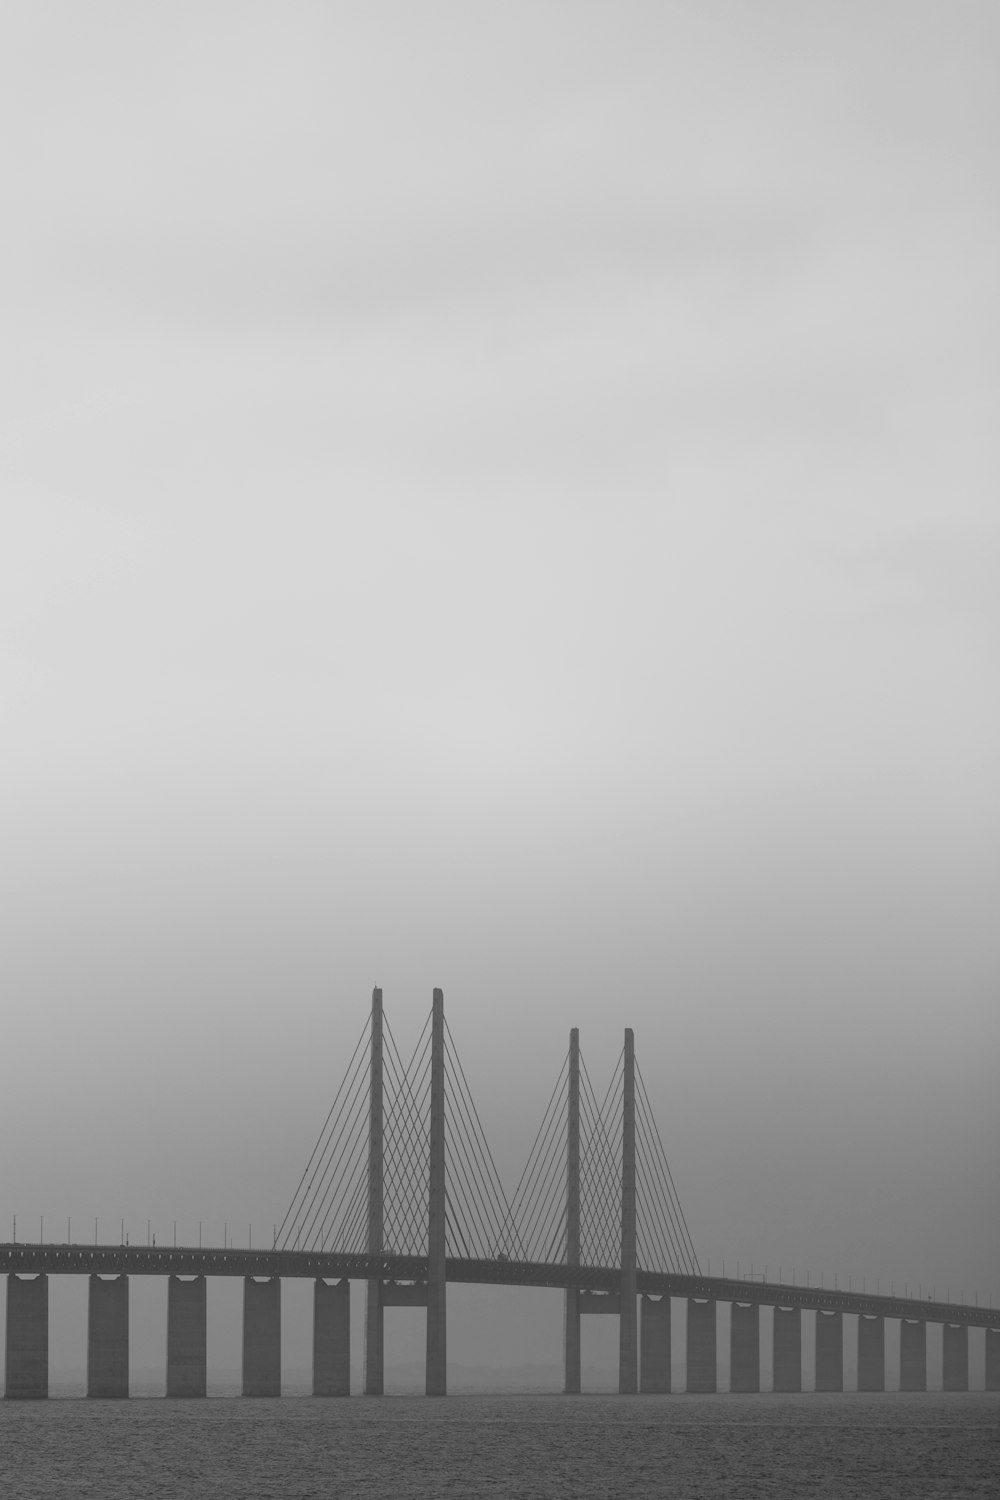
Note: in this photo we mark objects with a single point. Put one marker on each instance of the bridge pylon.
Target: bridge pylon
(625, 1301)
(436, 1373)
(431, 1293)
(374, 1367)
(571, 1338)
(628, 1344)
(597, 1194)
(402, 1177)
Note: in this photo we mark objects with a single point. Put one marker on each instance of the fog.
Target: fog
(502, 498)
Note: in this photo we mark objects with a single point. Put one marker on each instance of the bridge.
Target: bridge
(401, 1193)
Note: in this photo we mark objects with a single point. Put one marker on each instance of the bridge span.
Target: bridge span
(402, 1281)
(402, 1179)
(400, 1270)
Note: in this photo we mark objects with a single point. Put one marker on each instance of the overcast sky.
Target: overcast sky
(505, 497)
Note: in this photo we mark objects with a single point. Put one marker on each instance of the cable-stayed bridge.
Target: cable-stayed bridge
(401, 1191)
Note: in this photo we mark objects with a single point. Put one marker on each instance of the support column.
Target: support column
(437, 1338)
(701, 1376)
(571, 1334)
(787, 1349)
(374, 1316)
(654, 1346)
(107, 1338)
(628, 1330)
(744, 1347)
(955, 1357)
(331, 1338)
(262, 1337)
(829, 1351)
(186, 1337)
(871, 1353)
(912, 1354)
(26, 1362)
(992, 1358)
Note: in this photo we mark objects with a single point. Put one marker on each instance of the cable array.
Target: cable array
(479, 1221)
(325, 1204)
(600, 1169)
(330, 1207)
(540, 1196)
(663, 1242)
(406, 1092)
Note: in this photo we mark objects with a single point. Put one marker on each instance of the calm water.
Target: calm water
(590, 1446)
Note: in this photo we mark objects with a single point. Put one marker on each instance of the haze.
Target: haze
(504, 497)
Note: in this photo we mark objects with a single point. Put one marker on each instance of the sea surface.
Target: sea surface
(909, 1446)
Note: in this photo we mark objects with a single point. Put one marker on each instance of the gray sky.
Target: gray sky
(504, 497)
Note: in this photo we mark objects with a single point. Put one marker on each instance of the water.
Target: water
(908, 1446)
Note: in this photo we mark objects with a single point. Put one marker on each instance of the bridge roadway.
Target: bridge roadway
(137, 1260)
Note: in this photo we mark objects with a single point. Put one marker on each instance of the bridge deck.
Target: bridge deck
(135, 1260)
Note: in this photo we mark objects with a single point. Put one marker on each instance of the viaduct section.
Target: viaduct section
(413, 1265)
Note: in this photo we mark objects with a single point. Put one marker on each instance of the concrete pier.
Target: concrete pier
(701, 1371)
(829, 1351)
(571, 1326)
(871, 1353)
(992, 1359)
(654, 1346)
(436, 1376)
(107, 1338)
(262, 1337)
(331, 1338)
(374, 1371)
(26, 1361)
(187, 1341)
(787, 1349)
(955, 1357)
(628, 1329)
(374, 1354)
(571, 1342)
(744, 1347)
(912, 1354)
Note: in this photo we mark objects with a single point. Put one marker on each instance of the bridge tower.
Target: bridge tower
(401, 1177)
(436, 1375)
(597, 1194)
(432, 1293)
(571, 1341)
(627, 1317)
(624, 1302)
(374, 1378)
